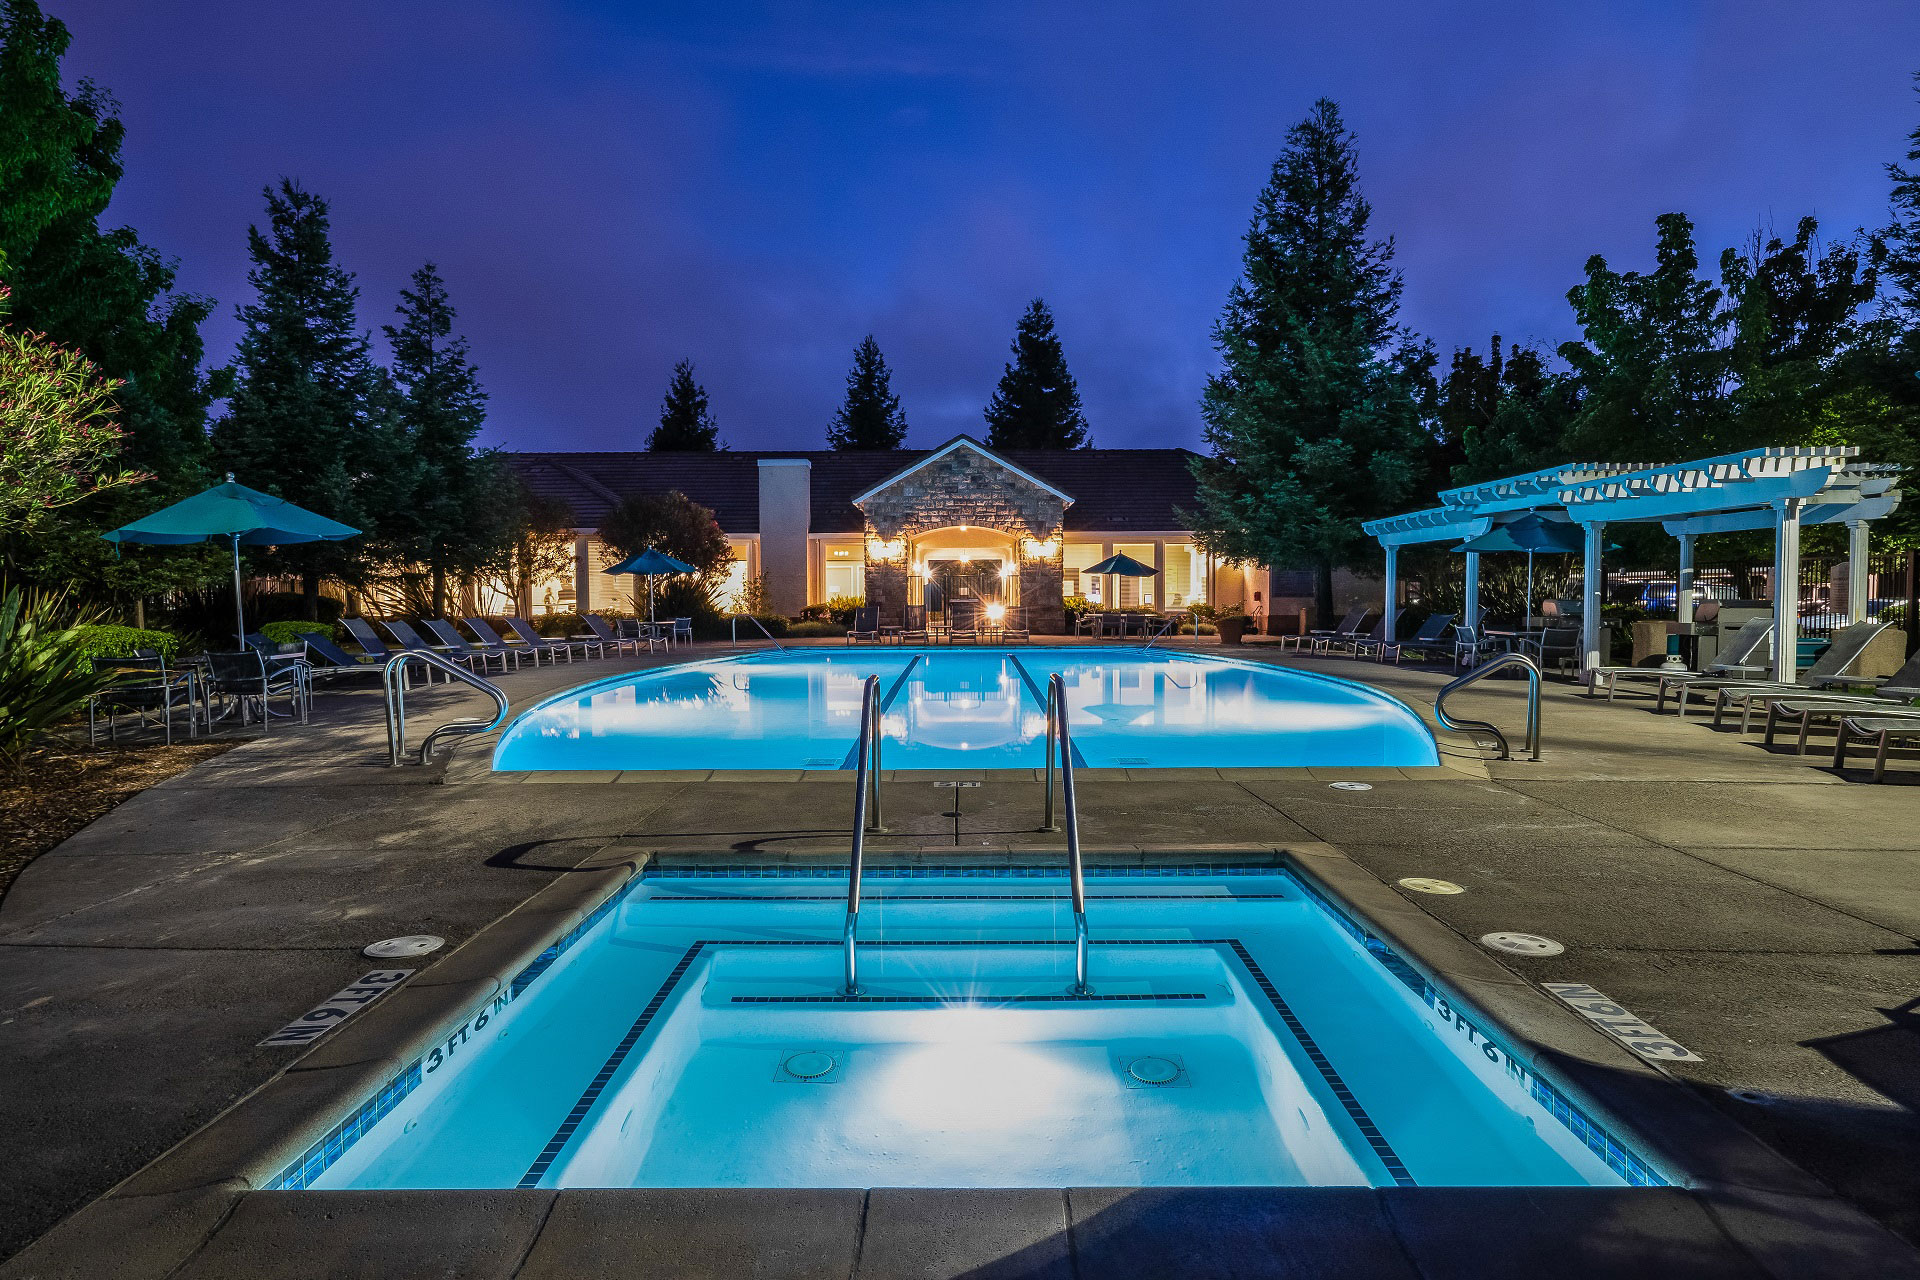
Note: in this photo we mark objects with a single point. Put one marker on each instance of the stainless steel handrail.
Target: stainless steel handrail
(866, 788)
(756, 622)
(1487, 668)
(1060, 736)
(393, 683)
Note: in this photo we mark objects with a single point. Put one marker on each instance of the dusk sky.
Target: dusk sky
(610, 187)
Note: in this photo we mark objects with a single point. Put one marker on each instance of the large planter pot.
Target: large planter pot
(1231, 629)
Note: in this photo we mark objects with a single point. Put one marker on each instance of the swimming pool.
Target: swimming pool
(966, 708)
(1242, 1030)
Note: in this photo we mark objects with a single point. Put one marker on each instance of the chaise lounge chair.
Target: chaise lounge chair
(1343, 634)
(1830, 669)
(458, 644)
(1733, 662)
(335, 662)
(1347, 626)
(914, 624)
(866, 624)
(1894, 697)
(413, 642)
(1879, 730)
(1378, 638)
(1430, 639)
(608, 637)
(541, 644)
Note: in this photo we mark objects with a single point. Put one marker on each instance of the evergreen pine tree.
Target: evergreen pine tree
(453, 520)
(1903, 232)
(871, 417)
(306, 419)
(1312, 419)
(1036, 405)
(686, 423)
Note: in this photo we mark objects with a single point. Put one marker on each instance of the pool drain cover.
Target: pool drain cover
(807, 1066)
(1425, 884)
(1153, 1071)
(1351, 786)
(416, 944)
(1521, 944)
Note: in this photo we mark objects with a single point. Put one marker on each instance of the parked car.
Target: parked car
(1664, 595)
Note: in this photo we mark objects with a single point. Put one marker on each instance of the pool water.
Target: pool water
(970, 708)
(1241, 1031)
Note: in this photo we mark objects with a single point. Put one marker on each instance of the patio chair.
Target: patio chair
(1734, 660)
(247, 677)
(1470, 645)
(1343, 634)
(1829, 669)
(542, 644)
(866, 624)
(1088, 623)
(1014, 626)
(1430, 639)
(963, 623)
(1347, 626)
(1557, 645)
(683, 630)
(459, 645)
(607, 636)
(1882, 731)
(914, 624)
(490, 639)
(145, 688)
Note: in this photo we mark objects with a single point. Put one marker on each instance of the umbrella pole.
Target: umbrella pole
(239, 616)
(1529, 621)
(649, 599)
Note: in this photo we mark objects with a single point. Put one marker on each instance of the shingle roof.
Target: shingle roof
(1114, 490)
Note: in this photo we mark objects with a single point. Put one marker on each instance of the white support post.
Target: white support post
(1786, 590)
(1684, 602)
(1859, 584)
(1391, 590)
(582, 575)
(1470, 591)
(1592, 581)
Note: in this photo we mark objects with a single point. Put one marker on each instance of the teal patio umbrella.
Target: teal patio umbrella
(653, 564)
(1121, 565)
(1532, 534)
(237, 513)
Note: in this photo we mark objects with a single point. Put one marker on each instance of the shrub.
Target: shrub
(839, 610)
(45, 675)
(814, 629)
(1077, 605)
(105, 641)
(292, 631)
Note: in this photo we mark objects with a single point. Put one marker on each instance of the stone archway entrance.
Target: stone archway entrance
(955, 515)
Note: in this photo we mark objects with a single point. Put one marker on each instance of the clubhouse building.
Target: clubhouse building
(935, 528)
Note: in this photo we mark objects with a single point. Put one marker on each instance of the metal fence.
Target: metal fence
(1824, 589)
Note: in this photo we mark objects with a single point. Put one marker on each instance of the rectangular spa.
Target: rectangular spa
(966, 707)
(1241, 1031)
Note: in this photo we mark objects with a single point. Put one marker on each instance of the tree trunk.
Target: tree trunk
(140, 613)
(1323, 594)
(439, 591)
(310, 590)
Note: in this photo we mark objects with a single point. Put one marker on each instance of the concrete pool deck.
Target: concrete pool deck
(1751, 904)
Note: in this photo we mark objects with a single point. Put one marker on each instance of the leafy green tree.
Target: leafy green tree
(686, 421)
(103, 293)
(1312, 420)
(59, 442)
(458, 517)
(1509, 413)
(1037, 404)
(1652, 369)
(1902, 234)
(307, 418)
(675, 525)
(870, 417)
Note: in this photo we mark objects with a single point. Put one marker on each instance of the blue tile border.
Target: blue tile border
(934, 871)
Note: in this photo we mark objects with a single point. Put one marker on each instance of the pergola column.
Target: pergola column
(1391, 588)
(1786, 590)
(1591, 583)
(1859, 586)
(1683, 602)
(1470, 593)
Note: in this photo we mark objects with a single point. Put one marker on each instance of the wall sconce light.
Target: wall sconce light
(1037, 550)
(889, 550)
(996, 613)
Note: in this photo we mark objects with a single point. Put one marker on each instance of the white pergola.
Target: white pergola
(1778, 489)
